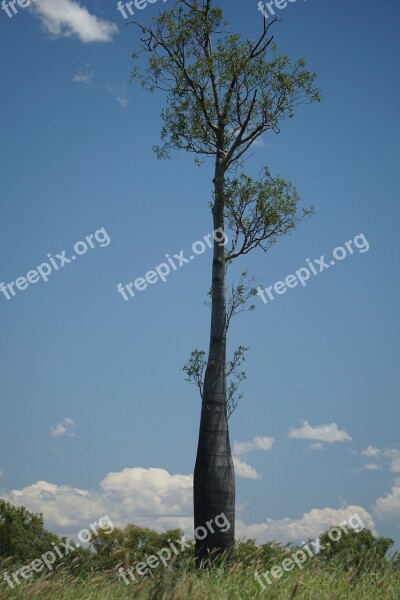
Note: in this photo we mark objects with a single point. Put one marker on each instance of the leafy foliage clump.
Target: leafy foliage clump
(356, 550)
(22, 534)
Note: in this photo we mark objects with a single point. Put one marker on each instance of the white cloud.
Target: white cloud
(148, 497)
(315, 446)
(63, 428)
(67, 18)
(242, 469)
(62, 505)
(258, 443)
(325, 433)
(394, 456)
(84, 75)
(371, 452)
(387, 508)
(150, 491)
(311, 525)
(154, 498)
(372, 467)
(119, 94)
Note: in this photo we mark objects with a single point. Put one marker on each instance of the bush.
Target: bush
(355, 550)
(130, 545)
(22, 534)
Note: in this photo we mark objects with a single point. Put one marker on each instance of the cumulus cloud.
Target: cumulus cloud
(157, 499)
(315, 446)
(150, 492)
(63, 428)
(372, 467)
(371, 452)
(258, 443)
(148, 497)
(394, 456)
(311, 525)
(387, 508)
(244, 470)
(62, 505)
(325, 433)
(67, 18)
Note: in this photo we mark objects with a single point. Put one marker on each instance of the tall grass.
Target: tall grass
(226, 582)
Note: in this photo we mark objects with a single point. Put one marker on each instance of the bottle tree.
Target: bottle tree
(223, 92)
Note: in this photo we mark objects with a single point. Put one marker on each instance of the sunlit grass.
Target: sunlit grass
(219, 584)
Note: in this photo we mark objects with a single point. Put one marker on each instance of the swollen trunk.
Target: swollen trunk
(214, 477)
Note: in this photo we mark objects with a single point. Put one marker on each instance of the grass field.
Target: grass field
(219, 584)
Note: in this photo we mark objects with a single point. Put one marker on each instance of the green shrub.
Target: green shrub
(355, 550)
(22, 534)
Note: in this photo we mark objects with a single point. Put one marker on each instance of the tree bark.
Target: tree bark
(214, 477)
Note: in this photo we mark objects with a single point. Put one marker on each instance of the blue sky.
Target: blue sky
(96, 415)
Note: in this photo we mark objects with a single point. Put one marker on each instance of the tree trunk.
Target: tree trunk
(214, 477)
